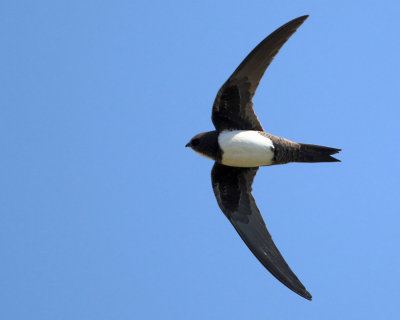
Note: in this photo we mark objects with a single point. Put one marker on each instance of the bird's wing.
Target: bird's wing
(233, 106)
(232, 188)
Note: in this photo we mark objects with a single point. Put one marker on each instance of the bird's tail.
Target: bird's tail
(314, 153)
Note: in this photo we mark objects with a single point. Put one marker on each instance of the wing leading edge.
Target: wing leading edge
(232, 188)
(233, 106)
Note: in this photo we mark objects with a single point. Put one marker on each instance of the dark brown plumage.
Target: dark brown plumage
(233, 106)
(289, 151)
(232, 188)
(233, 111)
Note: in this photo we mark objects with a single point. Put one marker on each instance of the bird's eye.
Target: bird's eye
(195, 142)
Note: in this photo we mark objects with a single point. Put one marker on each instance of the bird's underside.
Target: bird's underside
(250, 148)
(237, 146)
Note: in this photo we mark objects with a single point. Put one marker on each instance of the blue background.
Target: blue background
(105, 214)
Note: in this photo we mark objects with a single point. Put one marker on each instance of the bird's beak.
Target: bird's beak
(187, 144)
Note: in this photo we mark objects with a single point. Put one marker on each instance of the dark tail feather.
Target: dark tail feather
(314, 153)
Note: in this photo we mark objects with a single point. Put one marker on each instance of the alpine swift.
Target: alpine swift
(239, 146)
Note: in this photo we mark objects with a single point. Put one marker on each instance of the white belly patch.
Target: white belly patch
(245, 148)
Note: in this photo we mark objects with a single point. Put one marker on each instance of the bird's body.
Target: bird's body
(245, 148)
(239, 145)
(253, 148)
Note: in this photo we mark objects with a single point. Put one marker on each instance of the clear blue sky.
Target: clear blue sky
(105, 214)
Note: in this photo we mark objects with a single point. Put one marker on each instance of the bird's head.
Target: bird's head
(205, 144)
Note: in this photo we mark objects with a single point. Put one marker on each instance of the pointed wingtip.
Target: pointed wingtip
(300, 290)
(301, 18)
(304, 17)
(297, 22)
(293, 24)
(307, 295)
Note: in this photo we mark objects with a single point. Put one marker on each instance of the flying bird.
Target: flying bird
(239, 146)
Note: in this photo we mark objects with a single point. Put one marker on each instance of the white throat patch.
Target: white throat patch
(203, 155)
(245, 148)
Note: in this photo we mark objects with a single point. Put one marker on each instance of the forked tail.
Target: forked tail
(314, 153)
